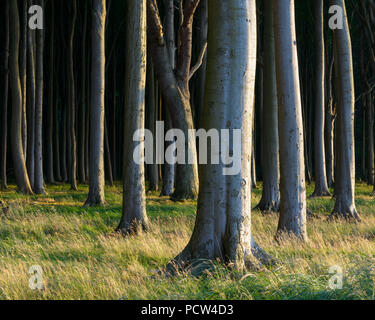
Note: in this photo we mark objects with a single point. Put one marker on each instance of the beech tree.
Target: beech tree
(96, 187)
(174, 85)
(223, 223)
(292, 167)
(270, 136)
(134, 216)
(344, 86)
(19, 163)
(4, 120)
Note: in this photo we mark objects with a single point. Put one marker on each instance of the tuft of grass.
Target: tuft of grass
(82, 258)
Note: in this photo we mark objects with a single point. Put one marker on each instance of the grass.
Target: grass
(81, 258)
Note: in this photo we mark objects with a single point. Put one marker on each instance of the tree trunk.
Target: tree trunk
(175, 88)
(4, 130)
(134, 216)
(223, 224)
(270, 201)
(97, 182)
(51, 107)
(83, 104)
(39, 181)
(344, 86)
(330, 128)
(30, 159)
(321, 186)
(72, 108)
(22, 178)
(292, 167)
(23, 72)
(169, 27)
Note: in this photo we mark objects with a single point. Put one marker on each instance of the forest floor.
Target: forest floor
(81, 258)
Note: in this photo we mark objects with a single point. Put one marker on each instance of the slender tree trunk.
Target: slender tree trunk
(270, 201)
(344, 86)
(22, 178)
(30, 159)
(97, 182)
(292, 167)
(321, 186)
(4, 123)
(223, 224)
(169, 27)
(330, 128)
(39, 181)
(51, 107)
(83, 104)
(107, 151)
(23, 72)
(72, 108)
(134, 216)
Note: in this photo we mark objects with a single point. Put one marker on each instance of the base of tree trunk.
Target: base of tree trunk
(268, 206)
(186, 262)
(318, 193)
(94, 203)
(133, 228)
(344, 211)
(182, 195)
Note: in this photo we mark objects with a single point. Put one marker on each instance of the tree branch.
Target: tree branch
(199, 62)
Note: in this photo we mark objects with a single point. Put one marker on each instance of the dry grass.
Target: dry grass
(81, 258)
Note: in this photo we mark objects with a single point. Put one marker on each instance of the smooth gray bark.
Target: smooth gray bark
(223, 224)
(321, 186)
(39, 180)
(344, 86)
(270, 201)
(134, 216)
(97, 181)
(292, 167)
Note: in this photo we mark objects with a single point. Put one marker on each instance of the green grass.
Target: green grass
(82, 258)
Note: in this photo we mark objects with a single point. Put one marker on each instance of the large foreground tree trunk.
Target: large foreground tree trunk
(270, 137)
(134, 216)
(97, 182)
(292, 167)
(321, 186)
(22, 178)
(344, 86)
(223, 224)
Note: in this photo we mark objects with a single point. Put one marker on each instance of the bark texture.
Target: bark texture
(292, 167)
(97, 181)
(134, 216)
(344, 86)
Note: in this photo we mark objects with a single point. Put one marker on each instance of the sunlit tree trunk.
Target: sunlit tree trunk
(292, 167)
(344, 86)
(223, 223)
(134, 216)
